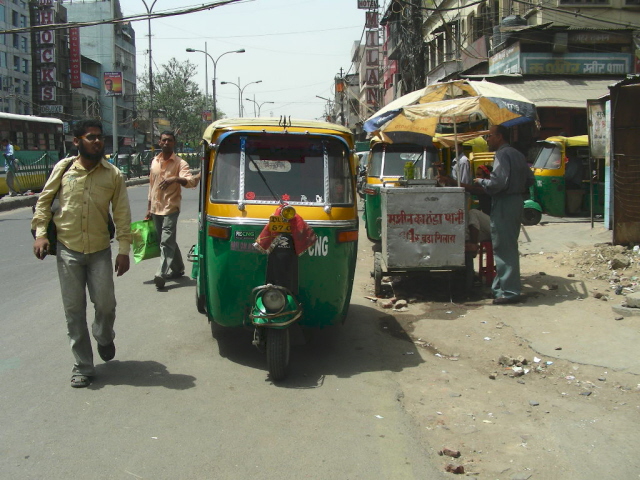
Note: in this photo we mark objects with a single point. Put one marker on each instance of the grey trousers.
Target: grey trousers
(11, 178)
(170, 256)
(506, 214)
(79, 272)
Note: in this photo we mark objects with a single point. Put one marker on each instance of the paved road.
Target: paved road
(177, 404)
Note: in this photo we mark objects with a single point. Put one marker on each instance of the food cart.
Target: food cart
(423, 229)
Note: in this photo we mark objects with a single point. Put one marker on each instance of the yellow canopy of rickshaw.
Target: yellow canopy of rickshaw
(474, 140)
(577, 141)
(468, 139)
(272, 124)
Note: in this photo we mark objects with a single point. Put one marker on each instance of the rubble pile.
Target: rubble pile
(613, 263)
(518, 366)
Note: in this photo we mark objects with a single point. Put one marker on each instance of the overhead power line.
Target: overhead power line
(131, 18)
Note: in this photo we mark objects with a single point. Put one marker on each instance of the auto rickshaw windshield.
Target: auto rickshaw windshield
(549, 157)
(396, 155)
(259, 168)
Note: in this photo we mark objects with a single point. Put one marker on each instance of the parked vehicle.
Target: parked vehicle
(38, 143)
(278, 229)
(562, 177)
(385, 167)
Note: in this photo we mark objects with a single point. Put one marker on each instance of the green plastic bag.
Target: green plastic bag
(145, 240)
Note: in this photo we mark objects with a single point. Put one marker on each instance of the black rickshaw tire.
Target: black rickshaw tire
(377, 273)
(531, 216)
(200, 303)
(278, 352)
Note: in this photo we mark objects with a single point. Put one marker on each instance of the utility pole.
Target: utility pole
(342, 98)
(149, 9)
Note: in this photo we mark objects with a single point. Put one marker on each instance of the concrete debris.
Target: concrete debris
(449, 452)
(453, 469)
(533, 403)
(506, 360)
(386, 303)
(632, 300)
(619, 261)
(400, 304)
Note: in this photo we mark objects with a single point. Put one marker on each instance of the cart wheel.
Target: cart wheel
(377, 273)
(200, 303)
(531, 216)
(278, 352)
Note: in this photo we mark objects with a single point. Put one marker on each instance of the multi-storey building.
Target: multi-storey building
(106, 48)
(15, 59)
(558, 54)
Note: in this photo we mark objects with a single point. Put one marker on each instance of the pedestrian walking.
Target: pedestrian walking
(168, 174)
(508, 183)
(87, 185)
(9, 166)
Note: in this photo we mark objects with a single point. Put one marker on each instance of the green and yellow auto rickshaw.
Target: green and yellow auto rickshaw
(278, 229)
(563, 176)
(386, 165)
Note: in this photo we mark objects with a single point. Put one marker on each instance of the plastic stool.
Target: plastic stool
(486, 267)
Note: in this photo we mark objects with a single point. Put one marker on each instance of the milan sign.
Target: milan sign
(372, 60)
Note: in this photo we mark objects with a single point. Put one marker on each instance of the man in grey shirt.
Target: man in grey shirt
(509, 181)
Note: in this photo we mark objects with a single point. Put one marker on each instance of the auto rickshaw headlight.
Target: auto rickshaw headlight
(273, 300)
(288, 212)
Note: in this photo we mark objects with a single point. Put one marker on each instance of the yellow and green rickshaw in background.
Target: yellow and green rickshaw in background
(387, 161)
(278, 229)
(385, 167)
(563, 177)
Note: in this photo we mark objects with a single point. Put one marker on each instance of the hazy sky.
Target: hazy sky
(295, 47)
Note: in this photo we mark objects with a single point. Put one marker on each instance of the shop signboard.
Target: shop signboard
(576, 64)
(506, 61)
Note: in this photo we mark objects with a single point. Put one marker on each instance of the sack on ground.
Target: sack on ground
(145, 240)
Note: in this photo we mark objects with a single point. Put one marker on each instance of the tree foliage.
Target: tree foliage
(176, 98)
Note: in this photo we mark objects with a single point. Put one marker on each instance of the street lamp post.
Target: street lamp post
(149, 9)
(240, 92)
(256, 104)
(215, 66)
(329, 106)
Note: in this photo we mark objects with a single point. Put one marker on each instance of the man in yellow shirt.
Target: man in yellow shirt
(167, 175)
(86, 185)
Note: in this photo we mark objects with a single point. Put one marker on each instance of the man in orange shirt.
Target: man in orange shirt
(168, 174)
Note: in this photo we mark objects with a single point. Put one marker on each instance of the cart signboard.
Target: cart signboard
(423, 227)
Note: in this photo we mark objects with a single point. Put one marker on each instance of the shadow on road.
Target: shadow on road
(369, 341)
(146, 373)
(172, 284)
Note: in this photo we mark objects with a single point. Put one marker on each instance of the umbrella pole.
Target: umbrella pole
(455, 140)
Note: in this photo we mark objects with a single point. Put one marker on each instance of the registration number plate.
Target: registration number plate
(279, 224)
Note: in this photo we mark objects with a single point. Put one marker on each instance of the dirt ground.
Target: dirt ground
(546, 389)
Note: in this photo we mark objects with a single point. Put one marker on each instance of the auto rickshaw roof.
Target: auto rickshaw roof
(271, 123)
(577, 141)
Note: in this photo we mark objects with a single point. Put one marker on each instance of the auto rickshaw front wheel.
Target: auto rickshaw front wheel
(531, 216)
(278, 349)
